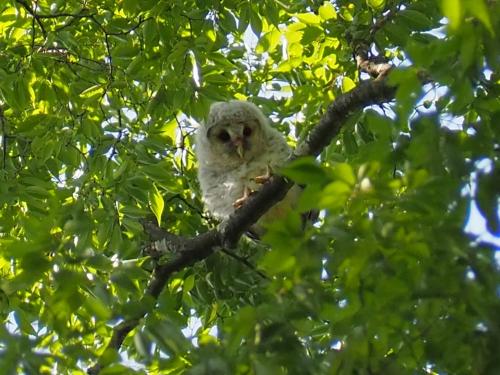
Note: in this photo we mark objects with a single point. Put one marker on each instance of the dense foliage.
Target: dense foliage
(98, 103)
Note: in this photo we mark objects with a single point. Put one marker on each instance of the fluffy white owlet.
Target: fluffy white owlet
(236, 149)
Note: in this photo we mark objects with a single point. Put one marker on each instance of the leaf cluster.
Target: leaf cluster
(98, 104)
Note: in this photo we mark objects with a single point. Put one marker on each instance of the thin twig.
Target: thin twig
(48, 16)
(184, 200)
(33, 13)
(245, 262)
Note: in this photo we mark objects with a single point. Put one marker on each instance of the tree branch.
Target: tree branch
(35, 16)
(375, 66)
(187, 251)
(48, 16)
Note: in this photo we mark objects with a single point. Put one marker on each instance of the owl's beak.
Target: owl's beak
(239, 150)
(239, 147)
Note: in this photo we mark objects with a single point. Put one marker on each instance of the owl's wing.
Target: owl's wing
(278, 149)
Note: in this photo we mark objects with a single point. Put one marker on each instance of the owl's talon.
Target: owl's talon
(262, 179)
(265, 177)
(241, 201)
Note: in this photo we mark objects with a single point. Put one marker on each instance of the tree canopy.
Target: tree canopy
(109, 263)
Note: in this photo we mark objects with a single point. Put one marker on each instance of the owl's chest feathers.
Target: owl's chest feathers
(243, 176)
(223, 185)
(223, 179)
(233, 181)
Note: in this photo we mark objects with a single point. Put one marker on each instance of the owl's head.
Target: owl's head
(234, 131)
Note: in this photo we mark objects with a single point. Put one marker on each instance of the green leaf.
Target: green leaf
(98, 120)
(255, 22)
(453, 10)
(125, 51)
(344, 172)
(479, 9)
(379, 125)
(347, 84)
(349, 142)
(269, 41)
(151, 32)
(487, 199)
(96, 306)
(92, 92)
(142, 344)
(156, 203)
(327, 11)
(397, 32)
(309, 198)
(308, 18)
(376, 4)
(415, 19)
(188, 283)
(305, 171)
(275, 263)
(168, 336)
(116, 369)
(334, 195)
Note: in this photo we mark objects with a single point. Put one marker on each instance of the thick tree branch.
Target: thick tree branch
(375, 66)
(187, 251)
(365, 94)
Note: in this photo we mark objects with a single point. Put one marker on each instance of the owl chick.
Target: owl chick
(236, 149)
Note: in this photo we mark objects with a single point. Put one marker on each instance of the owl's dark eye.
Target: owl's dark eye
(224, 136)
(247, 131)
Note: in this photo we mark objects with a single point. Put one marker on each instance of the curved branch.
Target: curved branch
(188, 251)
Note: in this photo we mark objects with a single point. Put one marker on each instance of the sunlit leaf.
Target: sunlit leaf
(347, 84)
(453, 10)
(327, 11)
(156, 203)
(92, 92)
(376, 4)
(309, 18)
(383, 258)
